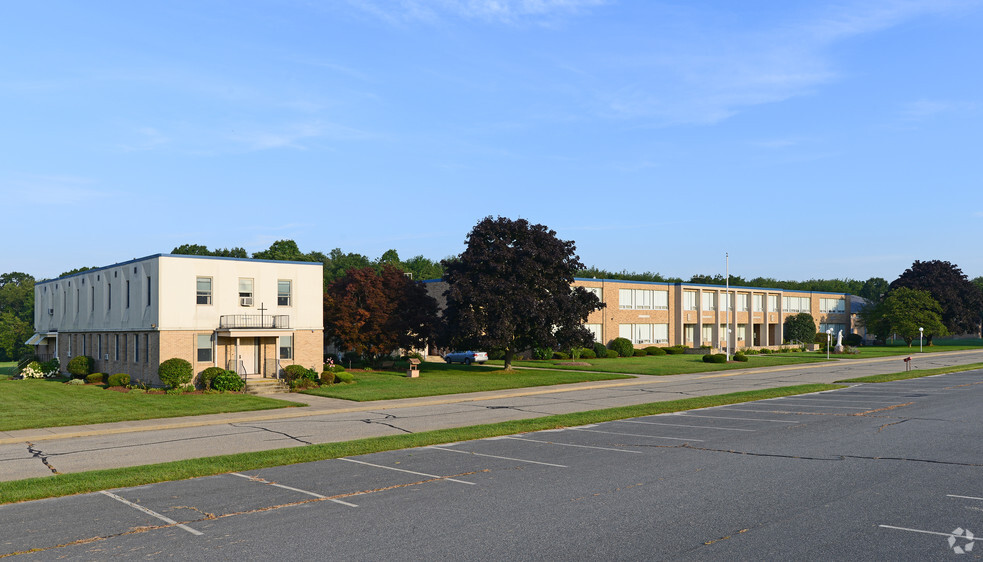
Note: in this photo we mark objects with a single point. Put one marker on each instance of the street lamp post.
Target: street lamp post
(829, 337)
(920, 332)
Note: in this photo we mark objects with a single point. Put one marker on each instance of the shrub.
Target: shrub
(332, 356)
(414, 355)
(32, 371)
(853, 340)
(714, 358)
(623, 346)
(208, 375)
(588, 354)
(639, 353)
(542, 353)
(81, 365)
(227, 381)
(496, 354)
(50, 367)
(652, 350)
(352, 357)
(740, 356)
(611, 354)
(296, 372)
(327, 377)
(96, 378)
(175, 372)
(302, 384)
(676, 350)
(344, 377)
(560, 355)
(600, 350)
(75, 381)
(119, 379)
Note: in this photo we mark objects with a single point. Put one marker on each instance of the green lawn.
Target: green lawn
(7, 369)
(673, 364)
(27, 404)
(439, 378)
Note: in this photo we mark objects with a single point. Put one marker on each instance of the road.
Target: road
(885, 471)
(42, 452)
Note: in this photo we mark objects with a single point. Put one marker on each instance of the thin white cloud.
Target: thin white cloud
(50, 190)
(507, 11)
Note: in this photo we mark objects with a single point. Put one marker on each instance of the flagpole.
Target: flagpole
(727, 308)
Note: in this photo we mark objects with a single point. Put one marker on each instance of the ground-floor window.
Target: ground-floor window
(136, 347)
(644, 333)
(707, 334)
(286, 347)
(835, 327)
(204, 348)
(741, 332)
(596, 330)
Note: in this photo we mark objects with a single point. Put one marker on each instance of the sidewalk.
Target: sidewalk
(40, 452)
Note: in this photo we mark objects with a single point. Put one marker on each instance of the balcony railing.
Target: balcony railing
(254, 321)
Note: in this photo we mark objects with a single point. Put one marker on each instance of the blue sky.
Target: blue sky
(807, 139)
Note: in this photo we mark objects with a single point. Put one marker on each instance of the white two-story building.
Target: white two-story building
(250, 316)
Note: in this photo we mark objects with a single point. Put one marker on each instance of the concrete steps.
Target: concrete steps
(261, 386)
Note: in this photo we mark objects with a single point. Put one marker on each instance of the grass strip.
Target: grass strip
(92, 481)
(904, 375)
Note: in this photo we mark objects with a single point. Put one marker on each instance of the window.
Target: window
(797, 304)
(127, 294)
(832, 306)
(635, 299)
(742, 303)
(92, 298)
(660, 333)
(661, 300)
(597, 292)
(689, 333)
(689, 300)
(83, 344)
(146, 348)
(644, 333)
(115, 347)
(286, 347)
(204, 348)
(758, 303)
(99, 347)
(109, 296)
(596, 330)
(148, 290)
(136, 347)
(725, 301)
(707, 338)
(772, 303)
(709, 301)
(741, 331)
(77, 296)
(245, 292)
(204, 290)
(70, 338)
(283, 292)
(835, 327)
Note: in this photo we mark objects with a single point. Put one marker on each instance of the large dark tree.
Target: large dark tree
(800, 328)
(376, 313)
(511, 290)
(961, 300)
(16, 313)
(199, 250)
(903, 312)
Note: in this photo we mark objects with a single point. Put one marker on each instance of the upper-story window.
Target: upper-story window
(772, 303)
(689, 300)
(245, 291)
(642, 299)
(709, 301)
(284, 292)
(204, 290)
(597, 292)
(798, 304)
(741, 303)
(758, 303)
(832, 306)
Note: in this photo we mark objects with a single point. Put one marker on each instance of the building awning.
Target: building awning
(36, 339)
(248, 333)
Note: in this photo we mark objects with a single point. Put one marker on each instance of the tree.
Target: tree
(284, 250)
(800, 327)
(337, 263)
(199, 250)
(874, 289)
(377, 313)
(510, 290)
(76, 270)
(17, 295)
(13, 333)
(903, 311)
(961, 300)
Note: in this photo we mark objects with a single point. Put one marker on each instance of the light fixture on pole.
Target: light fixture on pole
(920, 332)
(829, 337)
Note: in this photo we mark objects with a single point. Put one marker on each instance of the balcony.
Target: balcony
(258, 321)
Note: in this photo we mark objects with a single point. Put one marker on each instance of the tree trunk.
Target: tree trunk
(509, 354)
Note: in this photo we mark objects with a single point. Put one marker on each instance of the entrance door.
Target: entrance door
(249, 355)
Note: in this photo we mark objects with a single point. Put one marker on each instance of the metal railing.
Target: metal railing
(254, 321)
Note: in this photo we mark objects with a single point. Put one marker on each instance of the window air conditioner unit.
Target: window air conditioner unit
(245, 301)
(51, 312)
(106, 357)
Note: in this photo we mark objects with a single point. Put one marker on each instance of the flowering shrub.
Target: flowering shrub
(33, 371)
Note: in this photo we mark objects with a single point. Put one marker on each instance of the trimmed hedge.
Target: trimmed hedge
(611, 354)
(208, 375)
(175, 372)
(600, 350)
(542, 353)
(560, 355)
(623, 346)
(676, 349)
(119, 379)
(327, 377)
(715, 358)
(80, 366)
(652, 350)
(292, 373)
(96, 378)
(639, 353)
(740, 356)
(588, 354)
(344, 377)
(227, 381)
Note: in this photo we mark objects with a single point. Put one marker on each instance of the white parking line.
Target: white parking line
(685, 425)
(292, 489)
(963, 497)
(495, 456)
(636, 435)
(408, 471)
(915, 530)
(805, 399)
(573, 445)
(764, 411)
(727, 418)
(816, 406)
(151, 513)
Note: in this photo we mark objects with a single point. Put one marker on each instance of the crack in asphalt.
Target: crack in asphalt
(386, 417)
(287, 435)
(38, 454)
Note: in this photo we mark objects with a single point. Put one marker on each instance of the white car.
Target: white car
(466, 357)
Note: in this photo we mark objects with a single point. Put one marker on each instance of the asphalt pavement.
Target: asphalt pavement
(43, 452)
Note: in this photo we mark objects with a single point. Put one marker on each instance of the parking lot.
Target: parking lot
(885, 471)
